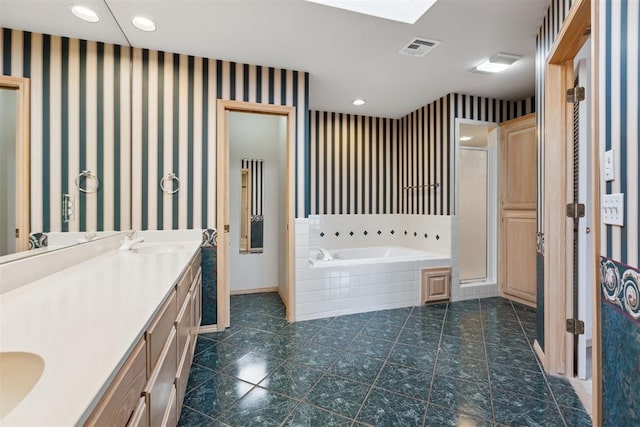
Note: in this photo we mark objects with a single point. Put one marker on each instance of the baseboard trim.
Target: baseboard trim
(540, 354)
(283, 297)
(255, 291)
(207, 329)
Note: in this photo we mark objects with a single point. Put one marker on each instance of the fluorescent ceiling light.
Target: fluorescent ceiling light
(144, 24)
(359, 102)
(84, 13)
(466, 138)
(407, 11)
(497, 63)
(492, 67)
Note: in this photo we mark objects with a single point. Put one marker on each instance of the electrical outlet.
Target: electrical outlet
(609, 165)
(612, 209)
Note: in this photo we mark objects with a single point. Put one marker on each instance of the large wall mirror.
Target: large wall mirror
(14, 165)
(251, 206)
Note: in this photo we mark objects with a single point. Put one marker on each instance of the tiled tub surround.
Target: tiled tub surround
(464, 363)
(362, 286)
(429, 233)
(84, 319)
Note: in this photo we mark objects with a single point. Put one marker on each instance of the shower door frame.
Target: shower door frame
(493, 186)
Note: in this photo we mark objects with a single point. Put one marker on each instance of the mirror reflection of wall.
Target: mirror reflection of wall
(8, 120)
(251, 209)
(257, 155)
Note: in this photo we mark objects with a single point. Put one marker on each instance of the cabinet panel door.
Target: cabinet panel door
(519, 164)
(519, 255)
(158, 389)
(123, 395)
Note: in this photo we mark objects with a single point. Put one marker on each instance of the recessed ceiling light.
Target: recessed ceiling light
(466, 138)
(144, 24)
(84, 13)
(497, 63)
(407, 11)
(359, 102)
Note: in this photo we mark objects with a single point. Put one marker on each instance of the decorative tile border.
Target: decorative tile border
(620, 286)
(351, 233)
(209, 238)
(38, 240)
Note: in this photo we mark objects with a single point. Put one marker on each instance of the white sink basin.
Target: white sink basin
(157, 249)
(19, 373)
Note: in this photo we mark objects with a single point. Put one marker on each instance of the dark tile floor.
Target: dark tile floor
(460, 364)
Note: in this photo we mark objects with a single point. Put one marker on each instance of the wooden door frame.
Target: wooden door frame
(558, 228)
(222, 202)
(23, 142)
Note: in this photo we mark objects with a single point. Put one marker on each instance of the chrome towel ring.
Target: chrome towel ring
(88, 176)
(169, 178)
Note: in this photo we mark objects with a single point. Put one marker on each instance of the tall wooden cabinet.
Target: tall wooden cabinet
(518, 209)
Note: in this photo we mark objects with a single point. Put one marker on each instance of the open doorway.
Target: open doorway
(257, 188)
(477, 145)
(255, 141)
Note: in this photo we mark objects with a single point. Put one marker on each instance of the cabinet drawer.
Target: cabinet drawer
(121, 398)
(140, 417)
(159, 330)
(183, 324)
(158, 389)
(182, 376)
(170, 418)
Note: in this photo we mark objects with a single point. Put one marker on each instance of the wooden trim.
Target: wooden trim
(209, 328)
(254, 291)
(283, 297)
(222, 161)
(558, 356)
(573, 33)
(517, 299)
(23, 142)
(596, 343)
(539, 352)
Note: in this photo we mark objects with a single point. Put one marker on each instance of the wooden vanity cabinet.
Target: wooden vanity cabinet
(150, 387)
(123, 394)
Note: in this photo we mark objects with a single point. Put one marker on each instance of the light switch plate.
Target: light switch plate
(612, 209)
(609, 165)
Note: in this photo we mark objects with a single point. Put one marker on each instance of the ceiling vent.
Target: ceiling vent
(419, 47)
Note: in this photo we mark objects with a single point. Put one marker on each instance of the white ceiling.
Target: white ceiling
(348, 55)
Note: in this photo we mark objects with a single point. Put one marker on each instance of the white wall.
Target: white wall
(8, 103)
(257, 136)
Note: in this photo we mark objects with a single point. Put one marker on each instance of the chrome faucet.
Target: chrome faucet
(129, 241)
(324, 254)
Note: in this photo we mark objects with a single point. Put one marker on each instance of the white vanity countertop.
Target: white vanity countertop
(83, 321)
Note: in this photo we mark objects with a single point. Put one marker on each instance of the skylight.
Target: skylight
(407, 11)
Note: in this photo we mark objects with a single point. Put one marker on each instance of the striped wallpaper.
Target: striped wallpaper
(80, 120)
(174, 130)
(619, 96)
(547, 34)
(361, 165)
(354, 162)
(618, 99)
(255, 168)
(131, 116)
